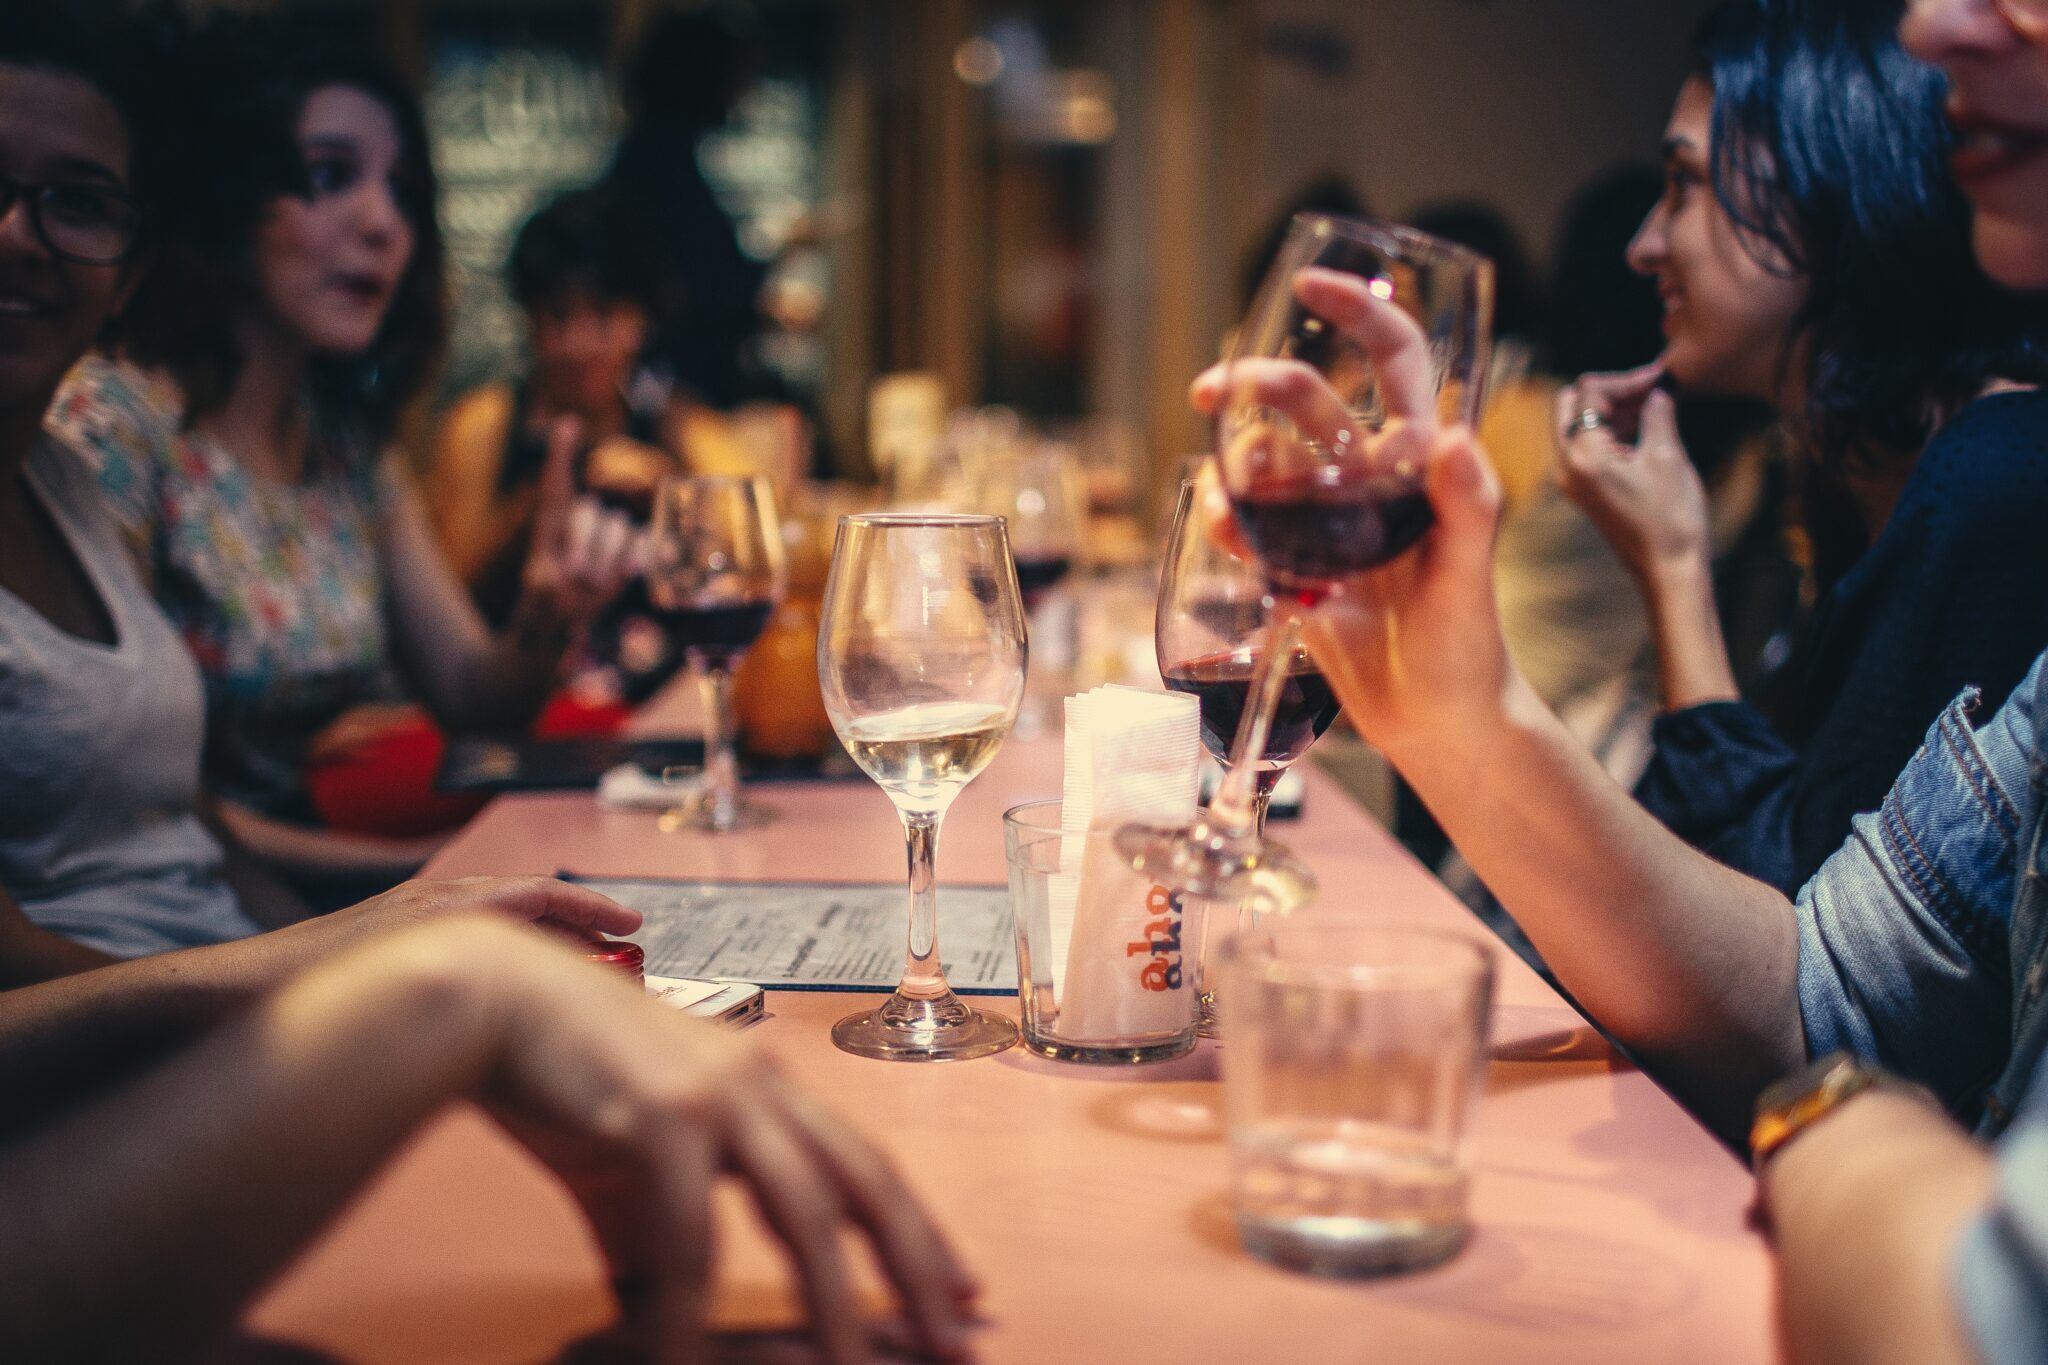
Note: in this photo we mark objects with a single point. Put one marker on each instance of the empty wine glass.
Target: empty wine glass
(1362, 341)
(714, 574)
(921, 660)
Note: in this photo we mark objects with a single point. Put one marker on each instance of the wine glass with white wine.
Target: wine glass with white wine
(921, 660)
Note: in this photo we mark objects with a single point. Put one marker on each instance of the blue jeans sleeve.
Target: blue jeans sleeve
(1903, 955)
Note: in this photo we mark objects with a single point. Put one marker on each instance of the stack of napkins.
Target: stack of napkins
(1117, 940)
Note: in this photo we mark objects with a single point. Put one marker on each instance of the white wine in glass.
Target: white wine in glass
(921, 660)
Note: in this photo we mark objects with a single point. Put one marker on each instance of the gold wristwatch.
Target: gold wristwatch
(1806, 1096)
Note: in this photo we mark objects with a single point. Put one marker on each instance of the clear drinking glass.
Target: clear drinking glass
(1355, 1056)
(921, 658)
(1111, 989)
(1362, 342)
(714, 574)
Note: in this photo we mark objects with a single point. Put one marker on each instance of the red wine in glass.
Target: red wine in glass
(1308, 540)
(1222, 684)
(717, 633)
(1038, 576)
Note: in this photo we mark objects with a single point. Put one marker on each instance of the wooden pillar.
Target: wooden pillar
(953, 269)
(1182, 212)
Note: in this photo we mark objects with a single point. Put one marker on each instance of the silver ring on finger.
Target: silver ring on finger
(1589, 419)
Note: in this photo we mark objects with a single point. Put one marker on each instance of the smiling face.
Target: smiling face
(55, 129)
(1727, 319)
(329, 263)
(1998, 102)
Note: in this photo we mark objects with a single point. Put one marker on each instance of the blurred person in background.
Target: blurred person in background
(579, 272)
(582, 274)
(240, 433)
(1821, 264)
(691, 69)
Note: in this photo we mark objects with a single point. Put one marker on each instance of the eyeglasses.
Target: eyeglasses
(86, 224)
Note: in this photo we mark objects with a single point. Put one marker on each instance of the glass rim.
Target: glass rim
(1471, 960)
(885, 520)
(1373, 232)
(709, 481)
(1015, 814)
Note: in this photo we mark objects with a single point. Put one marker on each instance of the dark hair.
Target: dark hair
(1479, 225)
(111, 57)
(1829, 154)
(243, 85)
(580, 242)
(692, 65)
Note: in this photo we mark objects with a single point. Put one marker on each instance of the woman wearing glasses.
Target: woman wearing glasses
(293, 311)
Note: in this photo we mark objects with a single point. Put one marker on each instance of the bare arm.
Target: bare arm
(1867, 1209)
(467, 676)
(325, 854)
(1686, 961)
(29, 954)
(61, 1038)
(1689, 963)
(104, 1208)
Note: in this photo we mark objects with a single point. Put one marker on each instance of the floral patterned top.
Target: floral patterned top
(278, 589)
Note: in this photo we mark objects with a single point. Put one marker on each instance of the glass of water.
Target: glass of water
(921, 662)
(1355, 1057)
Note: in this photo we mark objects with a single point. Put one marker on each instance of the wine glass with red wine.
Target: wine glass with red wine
(1210, 630)
(1363, 341)
(714, 574)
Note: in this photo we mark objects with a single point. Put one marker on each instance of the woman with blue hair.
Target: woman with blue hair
(1811, 252)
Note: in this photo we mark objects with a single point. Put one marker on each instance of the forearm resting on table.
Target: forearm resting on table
(65, 1039)
(1868, 1209)
(105, 1209)
(310, 852)
(1690, 964)
(1692, 656)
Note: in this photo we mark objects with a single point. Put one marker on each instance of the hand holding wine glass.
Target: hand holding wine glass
(714, 574)
(1363, 342)
(921, 661)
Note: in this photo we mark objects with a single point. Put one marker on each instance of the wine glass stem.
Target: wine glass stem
(1238, 807)
(721, 765)
(924, 978)
(1262, 795)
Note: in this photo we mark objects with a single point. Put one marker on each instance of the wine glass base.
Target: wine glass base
(912, 1031)
(699, 812)
(1205, 861)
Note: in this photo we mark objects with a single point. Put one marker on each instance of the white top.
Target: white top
(99, 754)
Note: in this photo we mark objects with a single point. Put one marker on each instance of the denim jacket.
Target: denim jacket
(1923, 944)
